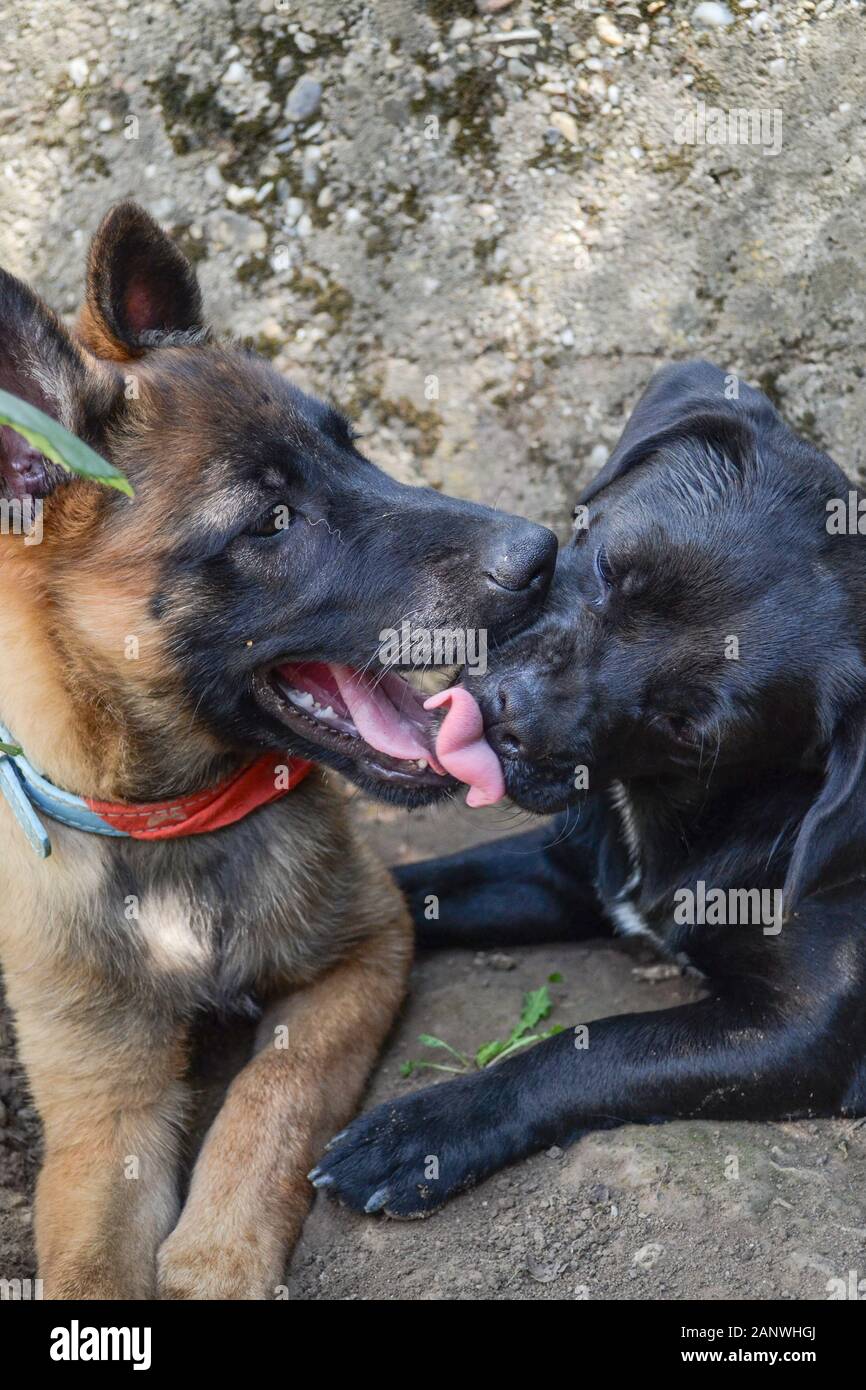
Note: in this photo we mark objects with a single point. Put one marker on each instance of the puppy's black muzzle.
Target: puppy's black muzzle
(523, 560)
(493, 570)
(535, 734)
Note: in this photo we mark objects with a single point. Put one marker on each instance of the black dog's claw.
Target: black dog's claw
(407, 1157)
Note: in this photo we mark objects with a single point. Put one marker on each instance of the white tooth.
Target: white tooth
(325, 713)
(422, 764)
(305, 699)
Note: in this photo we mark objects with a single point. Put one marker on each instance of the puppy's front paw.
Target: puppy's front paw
(195, 1264)
(408, 1156)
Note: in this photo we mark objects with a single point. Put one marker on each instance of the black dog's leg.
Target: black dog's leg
(523, 890)
(712, 1060)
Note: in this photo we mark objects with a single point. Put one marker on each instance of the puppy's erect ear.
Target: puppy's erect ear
(683, 402)
(837, 819)
(40, 363)
(141, 289)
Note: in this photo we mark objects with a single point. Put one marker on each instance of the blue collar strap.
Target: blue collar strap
(27, 792)
(267, 778)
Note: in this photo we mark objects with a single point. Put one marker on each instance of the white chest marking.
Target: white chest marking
(628, 921)
(173, 943)
(620, 798)
(622, 911)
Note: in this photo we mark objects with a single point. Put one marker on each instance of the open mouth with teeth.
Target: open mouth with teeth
(375, 718)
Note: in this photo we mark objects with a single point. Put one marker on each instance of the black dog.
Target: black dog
(701, 662)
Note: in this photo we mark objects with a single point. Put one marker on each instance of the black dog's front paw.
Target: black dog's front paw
(408, 1156)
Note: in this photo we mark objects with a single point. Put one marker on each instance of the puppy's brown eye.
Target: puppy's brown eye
(271, 522)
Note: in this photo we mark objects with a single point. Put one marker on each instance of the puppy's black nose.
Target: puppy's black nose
(524, 559)
(511, 729)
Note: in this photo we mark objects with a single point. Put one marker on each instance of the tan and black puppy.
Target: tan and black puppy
(175, 662)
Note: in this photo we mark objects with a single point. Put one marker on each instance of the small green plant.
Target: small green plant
(57, 444)
(537, 1004)
(11, 749)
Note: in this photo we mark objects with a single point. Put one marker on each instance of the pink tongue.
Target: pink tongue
(377, 720)
(462, 748)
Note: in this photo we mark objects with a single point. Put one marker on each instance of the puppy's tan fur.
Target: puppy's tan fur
(110, 948)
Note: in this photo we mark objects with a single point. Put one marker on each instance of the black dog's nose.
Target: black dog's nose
(524, 559)
(513, 727)
(504, 735)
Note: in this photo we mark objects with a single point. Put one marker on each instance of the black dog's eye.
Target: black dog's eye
(602, 567)
(679, 727)
(271, 522)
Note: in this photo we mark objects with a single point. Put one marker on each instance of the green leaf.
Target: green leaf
(428, 1040)
(537, 1004)
(10, 749)
(504, 1050)
(408, 1068)
(488, 1052)
(514, 1043)
(555, 978)
(57, 444)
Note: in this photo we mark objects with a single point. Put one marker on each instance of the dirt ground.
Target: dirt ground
(687, 1210)
(480, 233)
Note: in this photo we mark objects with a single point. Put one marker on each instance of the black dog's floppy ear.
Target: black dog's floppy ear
(141, 289)
(40, 363)
(684, 401)
(837, 818)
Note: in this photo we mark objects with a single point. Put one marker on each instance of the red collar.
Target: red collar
(269, 778)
